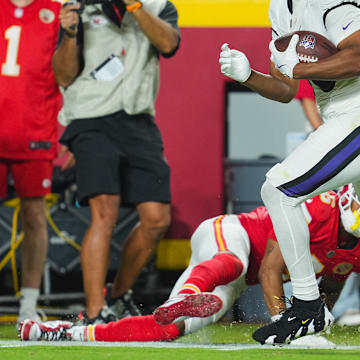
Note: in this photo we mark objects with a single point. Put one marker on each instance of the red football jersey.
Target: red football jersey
(322, 216)
(30, 99)
(328, 259)
(258, 225)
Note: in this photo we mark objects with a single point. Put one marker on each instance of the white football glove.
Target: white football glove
(285, 61)
(234, 64)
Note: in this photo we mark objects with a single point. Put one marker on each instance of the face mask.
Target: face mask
(351, 221)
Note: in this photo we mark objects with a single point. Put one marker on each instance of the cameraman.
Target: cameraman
(107, 63)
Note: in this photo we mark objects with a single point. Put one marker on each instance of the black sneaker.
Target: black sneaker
(123, 306)
(105, 316)
(302, 318)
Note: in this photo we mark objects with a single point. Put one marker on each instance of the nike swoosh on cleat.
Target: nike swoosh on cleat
(346, 26)
(291, 318)
(305, 321)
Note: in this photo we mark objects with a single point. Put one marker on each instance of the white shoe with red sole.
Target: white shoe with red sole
(184, 306)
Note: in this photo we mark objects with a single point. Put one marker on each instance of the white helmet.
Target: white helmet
(350, 219)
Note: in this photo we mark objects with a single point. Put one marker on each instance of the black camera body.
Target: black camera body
(107, 7)
(87, 2)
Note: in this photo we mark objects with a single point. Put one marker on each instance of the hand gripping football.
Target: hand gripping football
(311, 47)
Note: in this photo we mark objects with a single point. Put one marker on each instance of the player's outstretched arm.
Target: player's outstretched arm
(270, 277)
(274, 86)
(235, 65)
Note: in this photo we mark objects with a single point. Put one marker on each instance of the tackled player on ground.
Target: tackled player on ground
(230, 252)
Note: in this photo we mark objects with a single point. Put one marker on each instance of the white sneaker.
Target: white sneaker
(184, 306)
(350, 317)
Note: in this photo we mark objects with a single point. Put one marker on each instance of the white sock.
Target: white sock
(81, 333)
(293, 236)
(305, 288)
(28, 300)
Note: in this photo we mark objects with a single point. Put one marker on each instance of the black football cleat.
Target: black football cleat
(105, 316)
(123, 306)
(302, 318)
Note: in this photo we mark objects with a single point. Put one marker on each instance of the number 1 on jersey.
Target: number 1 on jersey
(10, 66)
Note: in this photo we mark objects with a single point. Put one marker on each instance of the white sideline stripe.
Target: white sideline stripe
(228, 347)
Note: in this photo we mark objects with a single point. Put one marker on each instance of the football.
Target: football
(311, 47)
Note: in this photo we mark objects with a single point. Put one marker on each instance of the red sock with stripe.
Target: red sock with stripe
(206, 276)
(136, 328)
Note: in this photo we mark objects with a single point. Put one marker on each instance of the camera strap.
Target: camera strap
(115, 11)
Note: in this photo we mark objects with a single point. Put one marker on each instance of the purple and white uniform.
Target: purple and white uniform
(329, 157)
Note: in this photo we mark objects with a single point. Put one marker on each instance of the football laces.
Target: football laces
(307, 58)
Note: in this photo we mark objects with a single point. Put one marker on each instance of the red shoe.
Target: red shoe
(184, 306)
(50, 330)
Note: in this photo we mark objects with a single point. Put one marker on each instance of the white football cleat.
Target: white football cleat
(184, 306)
(30, 330)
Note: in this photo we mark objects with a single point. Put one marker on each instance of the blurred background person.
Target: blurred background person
(109, 98)
(306, 97)
(29, 104)
(347, 310)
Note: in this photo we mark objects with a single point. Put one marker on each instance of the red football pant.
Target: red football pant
(136, 328)
(220, 270)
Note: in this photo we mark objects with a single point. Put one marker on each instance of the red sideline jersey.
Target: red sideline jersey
(305, 90)
(30, 99)
(322, 216)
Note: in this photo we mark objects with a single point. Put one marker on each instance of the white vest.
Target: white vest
(135, 89)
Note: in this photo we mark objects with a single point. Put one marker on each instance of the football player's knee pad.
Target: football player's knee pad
(230, 264)
(269, 193)
(272, 195)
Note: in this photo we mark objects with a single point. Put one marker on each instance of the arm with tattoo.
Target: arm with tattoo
(270, 277)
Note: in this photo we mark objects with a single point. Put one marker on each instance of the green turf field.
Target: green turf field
(218, 341)
(142, 353)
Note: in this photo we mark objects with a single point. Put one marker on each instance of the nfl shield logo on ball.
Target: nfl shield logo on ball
(308, 41)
